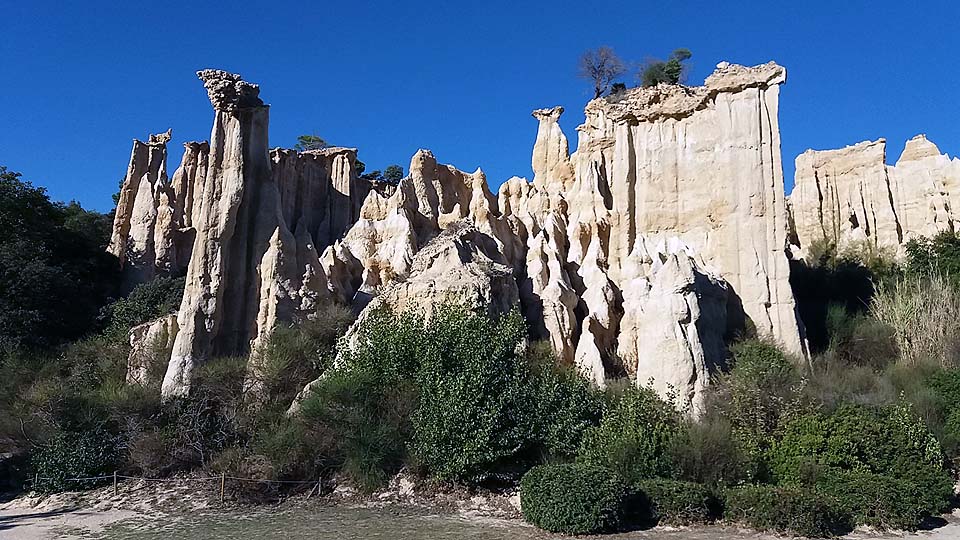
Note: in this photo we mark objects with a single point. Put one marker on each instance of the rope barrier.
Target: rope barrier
(200, 479)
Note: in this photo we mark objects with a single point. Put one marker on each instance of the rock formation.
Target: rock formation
(639, 254)
(259, 220)
(851, 196)
(630, 256)
(150, 346)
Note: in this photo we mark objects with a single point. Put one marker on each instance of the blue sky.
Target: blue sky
(81, 79)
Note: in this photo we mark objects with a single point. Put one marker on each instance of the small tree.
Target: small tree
(673, 71)
(601, 67)
(393, 174)
(310, 142)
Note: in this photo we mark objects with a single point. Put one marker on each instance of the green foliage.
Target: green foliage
(54, 273)
(939, 255)
(761, 390)
(882, 501)
(671, 71)
(573, 498)
(310, 142)
(634, 436)
(362, 421)
(393, 174)
(707, 452)
(74, 455)
(473, 414)
(567, 407)
(146, 302)
(890, 441)
(924, 313)
(674, 502)
(803, 512)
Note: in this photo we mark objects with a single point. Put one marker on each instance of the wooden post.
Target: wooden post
(114, 483)
(223, 481)
(36, 480)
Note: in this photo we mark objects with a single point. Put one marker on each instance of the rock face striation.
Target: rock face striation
(640, 254)
(259, 218)
(850, 196)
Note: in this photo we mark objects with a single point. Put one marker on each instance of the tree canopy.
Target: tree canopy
(54, 272)
(310, 142)
(600, 66)
(672, 71)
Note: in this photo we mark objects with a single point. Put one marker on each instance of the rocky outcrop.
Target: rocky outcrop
(260, 219)
(150, 346)
(638, 254)
(850, 197)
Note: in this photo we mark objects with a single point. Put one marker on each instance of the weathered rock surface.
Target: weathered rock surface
(630, 254)
(150, 346)
(851, 196)
(638, 254)
(259, 220)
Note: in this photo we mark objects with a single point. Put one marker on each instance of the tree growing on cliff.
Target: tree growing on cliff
(600, 66)
(393, 174)
(673, 71)
(310, 142)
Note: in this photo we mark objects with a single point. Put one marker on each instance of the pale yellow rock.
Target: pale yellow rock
(150, 346)
(850, 197)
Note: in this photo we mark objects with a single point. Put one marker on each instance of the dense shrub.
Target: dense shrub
(146, 302)
(889, 441)
(675, 502)
(74, 455)
(803, 512)
(762, 389)
(566, 407)
(634, 437)
(939, 255)
(706, 452)
(473, 413)
(881, 501)
(573, 498)
(361, 423)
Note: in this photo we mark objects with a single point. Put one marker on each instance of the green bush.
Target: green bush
(566, 407)
(762, 389)
(882, 501)
(803, 512)
(706, 452)
(74, 455)
(146, 302)
(890, 441)
(361, 423)
(573, 498)
(675, 502)
(634, 437)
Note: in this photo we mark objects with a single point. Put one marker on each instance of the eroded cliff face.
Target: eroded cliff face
(259, 219)
(850, 196)
(638, 254)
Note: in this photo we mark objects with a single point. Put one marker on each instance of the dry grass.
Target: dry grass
(925, 316)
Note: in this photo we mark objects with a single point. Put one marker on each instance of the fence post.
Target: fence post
(36, 480)
(114, 483)
(223, 481)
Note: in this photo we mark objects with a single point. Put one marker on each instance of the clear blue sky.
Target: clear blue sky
(81, 79)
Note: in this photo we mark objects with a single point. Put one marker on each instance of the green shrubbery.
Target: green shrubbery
(881, 501)
(573, 498)
(634, 437)
(803, 512)
(675, 502)
(70, 455)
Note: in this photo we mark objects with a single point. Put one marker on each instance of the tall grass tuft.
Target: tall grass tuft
(924, 314)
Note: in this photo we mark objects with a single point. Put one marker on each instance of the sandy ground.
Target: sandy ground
(168, 511)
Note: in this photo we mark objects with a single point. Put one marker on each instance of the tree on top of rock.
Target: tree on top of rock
(600, 66)
(393, 174)
(310, 142)
(673, 71)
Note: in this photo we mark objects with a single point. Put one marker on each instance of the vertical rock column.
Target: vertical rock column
(235, 287)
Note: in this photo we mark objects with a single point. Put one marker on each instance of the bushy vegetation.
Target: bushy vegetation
(675, 502)
(802, 512)
(634, 436)
(573, 498)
